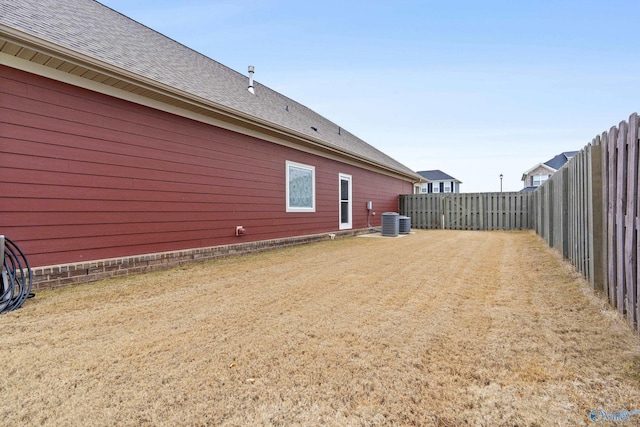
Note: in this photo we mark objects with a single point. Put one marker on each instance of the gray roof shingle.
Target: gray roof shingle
(98, 32)
(436, 175)
(558, 161)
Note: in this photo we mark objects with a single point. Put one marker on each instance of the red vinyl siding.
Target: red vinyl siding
(87, 176)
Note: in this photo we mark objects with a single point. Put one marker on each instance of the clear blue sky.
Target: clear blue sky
(473, 88)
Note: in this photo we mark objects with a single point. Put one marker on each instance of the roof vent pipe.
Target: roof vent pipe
(251, 71)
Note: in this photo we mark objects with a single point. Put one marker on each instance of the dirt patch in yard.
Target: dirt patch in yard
(442, 328)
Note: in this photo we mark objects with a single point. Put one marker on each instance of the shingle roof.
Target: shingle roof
(553, 165)
(108, 37)
(530, 188)
(558, 161)
(436, 175)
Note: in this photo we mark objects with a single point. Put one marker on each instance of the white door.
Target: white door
(345, 201)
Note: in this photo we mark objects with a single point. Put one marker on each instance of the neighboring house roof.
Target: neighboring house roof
(135, 58)
(558, 161)
(437, 175)
(539, 165)
(553, 164)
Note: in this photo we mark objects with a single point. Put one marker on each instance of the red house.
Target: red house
(123, 150)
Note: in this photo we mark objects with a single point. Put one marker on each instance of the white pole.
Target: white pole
(251, 71)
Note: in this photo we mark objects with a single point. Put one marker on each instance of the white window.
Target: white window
(447, 187)
(424, 187)
(539, 179)
(436, 187)
(345, 201)
(301, 187)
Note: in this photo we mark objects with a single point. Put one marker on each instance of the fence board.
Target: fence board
(598, 227)
(635, 123)
(630, 217)
(564, 198)
(583, 237)
(620, 212)
(590, 204)
(612, 170)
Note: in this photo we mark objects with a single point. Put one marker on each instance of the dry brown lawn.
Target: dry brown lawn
(438, 328)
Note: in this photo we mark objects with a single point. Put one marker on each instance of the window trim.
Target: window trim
(542, 178)
(312, 169)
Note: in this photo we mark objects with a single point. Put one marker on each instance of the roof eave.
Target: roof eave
(536, 167)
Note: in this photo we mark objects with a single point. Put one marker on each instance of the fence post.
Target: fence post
(548, 205)
(482, 212)
(621, 197)
(543, 209)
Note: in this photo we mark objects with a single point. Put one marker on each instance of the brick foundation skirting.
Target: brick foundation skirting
(55, 276)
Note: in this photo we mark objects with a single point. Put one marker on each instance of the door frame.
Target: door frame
(349, 201)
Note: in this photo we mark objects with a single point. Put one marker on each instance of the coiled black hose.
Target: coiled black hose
(16, 276)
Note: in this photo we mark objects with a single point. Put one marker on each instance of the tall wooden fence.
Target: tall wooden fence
(468, 211)
(589, 210)
(569, 213)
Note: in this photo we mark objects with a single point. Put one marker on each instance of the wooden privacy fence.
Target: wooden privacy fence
(589, 210)
(568, 213)
(468, 211)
